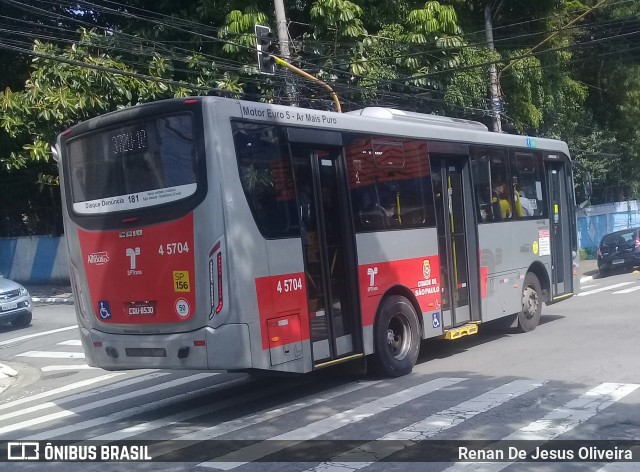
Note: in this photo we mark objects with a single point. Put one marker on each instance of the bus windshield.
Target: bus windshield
(147, 163)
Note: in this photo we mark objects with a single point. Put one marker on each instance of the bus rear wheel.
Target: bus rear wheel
(396, 337)
(529, 316)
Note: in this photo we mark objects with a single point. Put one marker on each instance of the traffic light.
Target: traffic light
(266, 47)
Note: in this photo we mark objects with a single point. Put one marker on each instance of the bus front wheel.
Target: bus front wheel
(396, 337)
(529, 316)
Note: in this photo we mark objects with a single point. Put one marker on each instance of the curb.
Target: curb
(7, 371)
(7, 377)
(58, 300)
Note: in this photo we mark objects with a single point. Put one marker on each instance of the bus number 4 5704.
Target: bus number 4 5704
(289, 285)
(173, 248)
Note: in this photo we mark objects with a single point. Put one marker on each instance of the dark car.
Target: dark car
(619, 249)
(15, 303)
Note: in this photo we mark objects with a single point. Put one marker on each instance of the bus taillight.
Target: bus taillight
(219, 307)
(212, 289)
(215, 279)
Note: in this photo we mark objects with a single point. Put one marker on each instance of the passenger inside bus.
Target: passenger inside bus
(501, 205)
(522, 203)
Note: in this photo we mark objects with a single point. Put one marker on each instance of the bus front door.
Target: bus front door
(561, 257)
(328, 252)
(451, 188)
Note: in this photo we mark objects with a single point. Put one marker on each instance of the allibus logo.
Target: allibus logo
(98, 258)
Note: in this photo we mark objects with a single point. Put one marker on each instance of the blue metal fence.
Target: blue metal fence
(597, 220)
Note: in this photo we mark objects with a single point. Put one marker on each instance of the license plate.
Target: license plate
(618, 261)
(145, 308)
(9, 306)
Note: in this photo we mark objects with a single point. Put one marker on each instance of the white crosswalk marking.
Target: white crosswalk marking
(356, 458)
(622, 466)
(71, 342)
(628, 290)
(137, 410)
(55, 391)
(229, 426)
(35, 335)
(93, 406)
(558, 421)
(603, 289)
(55, 368)
(584, 287)
(99, 392)
(317, 428)
(25, 413)
(52, 355)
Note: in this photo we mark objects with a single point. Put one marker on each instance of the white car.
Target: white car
(15, 303)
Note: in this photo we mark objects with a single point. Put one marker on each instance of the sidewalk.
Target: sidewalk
(50, 293)
(588, 270)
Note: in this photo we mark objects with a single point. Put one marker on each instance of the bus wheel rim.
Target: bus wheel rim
(530, 302)
(399, 336)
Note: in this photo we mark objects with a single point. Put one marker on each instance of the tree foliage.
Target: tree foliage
(580, 84)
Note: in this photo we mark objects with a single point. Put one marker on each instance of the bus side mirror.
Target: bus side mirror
(55, 154)
(586, 183)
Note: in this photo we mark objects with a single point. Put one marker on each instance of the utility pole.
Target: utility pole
(493, 74)
(283, 39)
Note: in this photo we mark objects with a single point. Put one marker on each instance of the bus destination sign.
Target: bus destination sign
(128, 141)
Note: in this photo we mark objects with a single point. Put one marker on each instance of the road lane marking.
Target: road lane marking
(95, 405)
(79, 396)
(52, 355)
(313, 430)
(356, 458)
(233, 425)
(35, 335)
(628, 290)
(584, 287)
(71, 342)
(558, 421)
(602, 289)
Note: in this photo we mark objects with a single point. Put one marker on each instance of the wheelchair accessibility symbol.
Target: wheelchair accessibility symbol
(435, 319)
(104, 310)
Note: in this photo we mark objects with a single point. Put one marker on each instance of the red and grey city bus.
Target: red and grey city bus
(211, 233)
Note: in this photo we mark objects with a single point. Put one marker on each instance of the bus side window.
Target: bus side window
(389, 182)
(266, 177)
(526, 169)
(482, 189)
(493, 192)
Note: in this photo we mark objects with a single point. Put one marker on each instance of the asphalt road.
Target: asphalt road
(574, 378)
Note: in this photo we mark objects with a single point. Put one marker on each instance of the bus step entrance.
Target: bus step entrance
(464, 330)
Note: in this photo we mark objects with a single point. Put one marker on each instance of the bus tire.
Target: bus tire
(396, 337)
(529, 316)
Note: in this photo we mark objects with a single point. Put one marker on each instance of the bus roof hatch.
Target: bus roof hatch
(418, 118)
